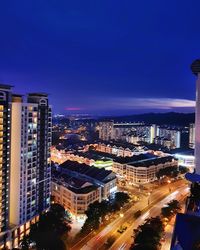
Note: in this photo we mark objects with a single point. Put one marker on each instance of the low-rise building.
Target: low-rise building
(74, 194)
(90, 157)
(141, 171)
(120, 149)
(185, 158)
(76, 185)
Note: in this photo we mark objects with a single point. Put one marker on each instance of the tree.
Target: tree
(121, 198)
(195, 191)
(48, 231)
(96, 212)
(90, 225)
(183, 170)
(166, 212)
(170, 209)
(148, 235)
(171, 172)
(25, 242)
(174, 205)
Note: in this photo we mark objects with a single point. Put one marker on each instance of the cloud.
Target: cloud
(142, 103)
(73, 109)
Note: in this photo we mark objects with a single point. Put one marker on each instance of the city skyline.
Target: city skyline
(102, 58)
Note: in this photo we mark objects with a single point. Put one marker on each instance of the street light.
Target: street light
(169, 186)
(121, 215)
(149, 198)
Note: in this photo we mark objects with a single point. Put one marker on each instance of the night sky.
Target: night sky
(102, 57)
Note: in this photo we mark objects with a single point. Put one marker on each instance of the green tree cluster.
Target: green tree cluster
(97, 211)
(49, 231)
(170, 209)
(170, 172)
(148, 235)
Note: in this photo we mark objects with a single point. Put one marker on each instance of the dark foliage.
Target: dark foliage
(48, 231)
(148, 235)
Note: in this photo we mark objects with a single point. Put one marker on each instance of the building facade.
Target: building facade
(30, 157)
(143, 171)
(104, 179)
(25, 140)
(5, 137)
(120, 150)
(192, 135)
(74, 194)
(106, 130)
(172, 135)
(120, 131)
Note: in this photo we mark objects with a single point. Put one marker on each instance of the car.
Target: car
(122, 229)
(137, 214)
(162, 239)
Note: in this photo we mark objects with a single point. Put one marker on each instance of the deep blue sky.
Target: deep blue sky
(105, 56)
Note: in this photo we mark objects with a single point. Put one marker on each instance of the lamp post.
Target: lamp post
(149, 201)
(169, 185)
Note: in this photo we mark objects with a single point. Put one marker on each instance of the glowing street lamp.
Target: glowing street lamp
(169, 186)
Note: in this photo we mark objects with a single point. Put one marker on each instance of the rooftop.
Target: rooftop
(38, 94)
(5, 86)
(180, 151)
(99, 174)
(149, 162)
(124, 145)
(76, 185)
(92, 154)
(128, 125)
(124, 160)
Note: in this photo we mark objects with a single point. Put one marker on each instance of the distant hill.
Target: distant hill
(170, 118)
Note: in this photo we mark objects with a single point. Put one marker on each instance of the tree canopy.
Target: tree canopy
(148, 235)
(48, 231)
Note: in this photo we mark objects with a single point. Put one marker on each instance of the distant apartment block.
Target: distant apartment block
(191, 135)
(106, 130)
(168, 137)
(138, 133)
(109, 130)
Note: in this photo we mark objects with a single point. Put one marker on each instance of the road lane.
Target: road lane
(98, 241)
(125, 240)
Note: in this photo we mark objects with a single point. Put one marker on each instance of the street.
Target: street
(156, 195)
(125, 240)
